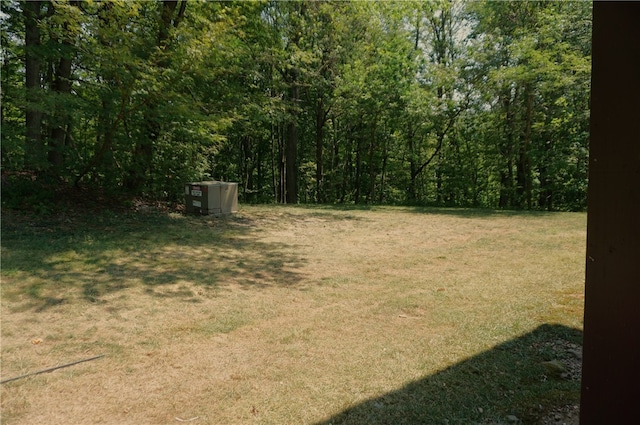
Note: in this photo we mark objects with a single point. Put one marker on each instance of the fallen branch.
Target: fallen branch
(51, 369)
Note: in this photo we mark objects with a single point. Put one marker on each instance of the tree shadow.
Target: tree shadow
(462, 212)
(169, 256)
(478, 212)
(514, 382)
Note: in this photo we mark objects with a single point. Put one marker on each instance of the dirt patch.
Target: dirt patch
(564, 415)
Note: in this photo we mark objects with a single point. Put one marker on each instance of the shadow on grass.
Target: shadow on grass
(169, 256)
(478, 212)
(428, 210)
(507, 384)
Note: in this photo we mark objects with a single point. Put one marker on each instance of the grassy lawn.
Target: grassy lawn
(292, 315)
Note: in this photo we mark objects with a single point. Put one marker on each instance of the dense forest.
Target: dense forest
(442, 102)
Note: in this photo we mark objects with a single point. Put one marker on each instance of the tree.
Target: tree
(171, 13)
(524, 51)
(34, 149)
(447, 103)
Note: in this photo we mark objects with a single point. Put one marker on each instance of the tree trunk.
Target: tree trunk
(358, 179)
(61, 85)
(259, 167)
(347, 171)
(413, 166)
(383, 172)
(274, 146)
(282, 169)
(245, 154)
(321, 118)
(439, 165)
(506, 187)
(372, 169)
(291, 149)
(334, 183)
(545, 199)
(523, 175)
(291, 152)
(34, 149)
(141, 171)
(506, 150)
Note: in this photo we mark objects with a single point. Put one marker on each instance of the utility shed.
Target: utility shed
(211, 197)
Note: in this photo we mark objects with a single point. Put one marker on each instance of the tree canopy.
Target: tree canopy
(475, 104)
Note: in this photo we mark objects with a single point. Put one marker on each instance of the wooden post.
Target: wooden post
(611, 366)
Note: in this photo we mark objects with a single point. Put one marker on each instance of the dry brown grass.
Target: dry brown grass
(279, 315)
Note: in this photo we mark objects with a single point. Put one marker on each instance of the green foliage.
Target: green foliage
(450, 103)
(536, 56)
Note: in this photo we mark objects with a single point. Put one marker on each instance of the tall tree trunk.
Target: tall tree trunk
(106, 121)
(383, 172)
(259, 180)
(282, 165)
(141, 171)
(413, 165)
(291, 149)
(506, 187)
(61, 85)
(245, 153)
(545, 199)
(416, 170)
(34, 149)
(334, 183)
(506, 150)
(321, 118)
(439, 165)
(358, 179)
(105, 138)
(523, 175)
(274, 153)
(347, 172)
(372, 169)
(291, 153)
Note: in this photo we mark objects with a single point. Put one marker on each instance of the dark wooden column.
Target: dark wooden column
(611, 366)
